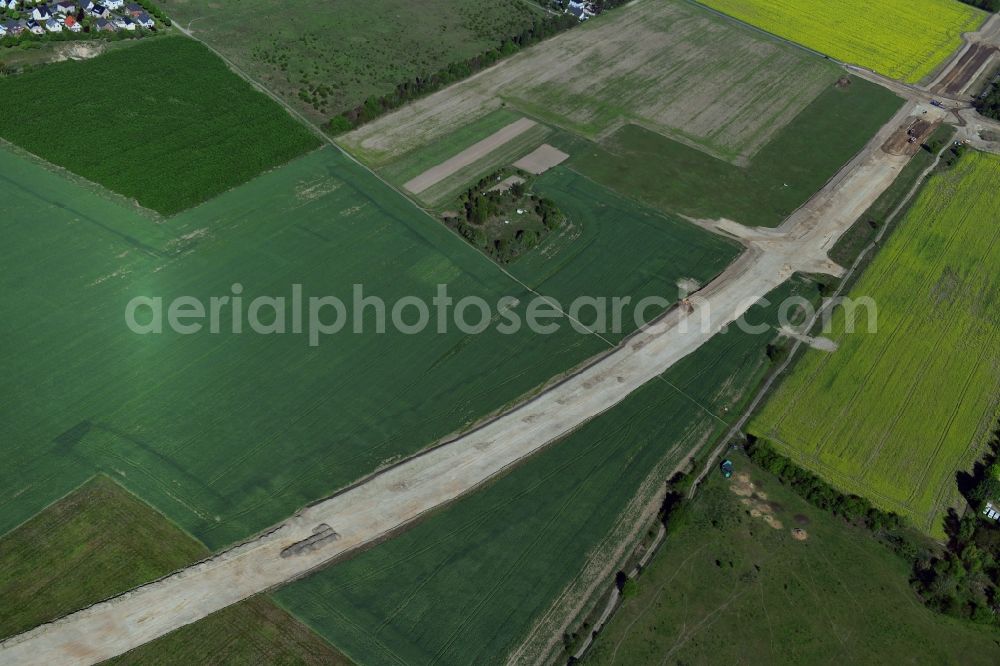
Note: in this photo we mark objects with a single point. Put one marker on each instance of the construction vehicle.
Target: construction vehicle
(727, 469)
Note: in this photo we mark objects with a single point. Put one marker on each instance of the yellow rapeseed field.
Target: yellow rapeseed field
(903, 39)
(893, 414)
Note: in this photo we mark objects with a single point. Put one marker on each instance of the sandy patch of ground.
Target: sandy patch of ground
(541, 160)
(688, 285)
(754, 500)
(469, 156)
(505, 184)
(799, 534)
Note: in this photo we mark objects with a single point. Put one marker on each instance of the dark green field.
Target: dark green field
(340, 52)
(728, 588)
(783, 175)
(100, 541)
(465, 585)
(227, 434)
(165, 123)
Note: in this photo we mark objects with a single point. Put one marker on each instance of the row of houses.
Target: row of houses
(66, 15)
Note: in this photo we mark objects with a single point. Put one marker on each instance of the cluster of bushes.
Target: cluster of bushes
(988, 5)
(963, 578)
(818, 492)
(426, 84)
(963, 581)
(597, 5)
(482, 209)
(28, 41)
(989, 105)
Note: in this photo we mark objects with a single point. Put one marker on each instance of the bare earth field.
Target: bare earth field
(673, 68)
(541, 160)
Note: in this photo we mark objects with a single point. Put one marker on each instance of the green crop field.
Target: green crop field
(727, 588)
(340, 53)
(100, 541)
(164, 122)
(227, 434)
(668, 65)
(903, 39)
(893, 415)
(465, 585)
(96, 542)
(577, 255)
(782, 176)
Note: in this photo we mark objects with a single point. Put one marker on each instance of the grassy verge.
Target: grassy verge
(729, 587)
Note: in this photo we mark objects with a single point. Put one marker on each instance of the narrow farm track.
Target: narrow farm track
(376, 507)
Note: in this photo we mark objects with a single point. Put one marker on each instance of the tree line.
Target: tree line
(989, 105)
(988, 5)
(425, 84)
(962, 579)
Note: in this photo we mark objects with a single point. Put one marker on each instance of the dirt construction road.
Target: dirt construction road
(389, 500)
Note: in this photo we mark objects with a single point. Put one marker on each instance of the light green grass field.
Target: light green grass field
(352, 50)
(164, 122)
(796, 163)
(100, 541)
(727, 588)
(466, 585)
(227, 434)
(903, 39)
(893, 415)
